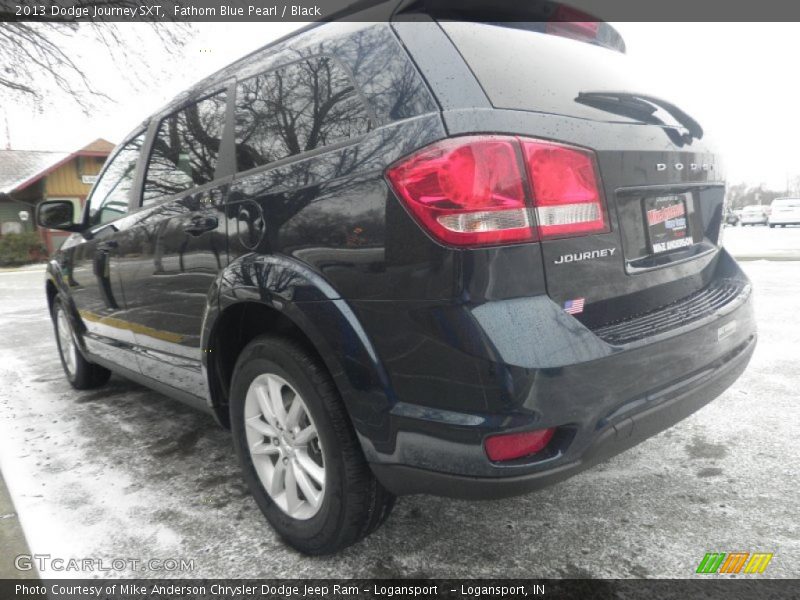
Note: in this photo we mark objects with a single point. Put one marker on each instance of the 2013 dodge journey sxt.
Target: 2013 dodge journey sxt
(418, 256)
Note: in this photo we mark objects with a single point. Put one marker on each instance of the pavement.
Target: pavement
(757, 242)
(125, 473)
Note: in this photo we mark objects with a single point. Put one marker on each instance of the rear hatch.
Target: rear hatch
(663, 187)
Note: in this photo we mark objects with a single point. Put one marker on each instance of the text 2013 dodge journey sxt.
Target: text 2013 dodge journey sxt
(418, 256)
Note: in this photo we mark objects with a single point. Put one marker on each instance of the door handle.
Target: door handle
(108, 245)
(200, 224)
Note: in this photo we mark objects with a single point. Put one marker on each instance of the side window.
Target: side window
(185, 149)
(111, 193)
(294, 109)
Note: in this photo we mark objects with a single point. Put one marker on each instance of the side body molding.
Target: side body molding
(313, 306)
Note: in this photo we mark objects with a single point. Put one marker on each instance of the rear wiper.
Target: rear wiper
(639, 106)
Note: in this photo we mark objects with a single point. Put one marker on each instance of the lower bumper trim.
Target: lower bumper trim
(404, 480)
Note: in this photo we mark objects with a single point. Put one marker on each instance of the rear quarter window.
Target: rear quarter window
(303, 106)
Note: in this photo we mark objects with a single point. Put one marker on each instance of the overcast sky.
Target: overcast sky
(738, 79)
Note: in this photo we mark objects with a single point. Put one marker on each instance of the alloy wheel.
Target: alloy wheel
(284, 446)
(66, 341)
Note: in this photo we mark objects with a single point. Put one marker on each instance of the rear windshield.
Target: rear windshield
(753, 209)
(527, 70)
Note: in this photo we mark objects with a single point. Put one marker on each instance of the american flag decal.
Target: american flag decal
(575, 306)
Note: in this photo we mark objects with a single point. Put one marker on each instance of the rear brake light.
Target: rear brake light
(466, 191)
(576, 24)
(508, 446)
(470, 191)
(577, 30)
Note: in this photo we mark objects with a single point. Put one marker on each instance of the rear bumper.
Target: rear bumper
(461, 373)
(616, 438)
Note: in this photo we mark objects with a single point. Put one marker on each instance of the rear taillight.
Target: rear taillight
(471, 191)
(466, 191)
(565, 188)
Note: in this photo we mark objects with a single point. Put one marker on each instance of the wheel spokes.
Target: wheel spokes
(265, 429)
(278, 483)
(264, 405)
(65, 341)
(312, 494)
(293, 501)
(305, 436)
(264, 448)
(307, 464)
(275, 392)
(295, 411)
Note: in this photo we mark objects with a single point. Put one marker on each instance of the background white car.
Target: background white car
(785, 211)
(754, 215)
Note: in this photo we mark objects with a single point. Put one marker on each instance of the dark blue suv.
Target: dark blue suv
(419, 256)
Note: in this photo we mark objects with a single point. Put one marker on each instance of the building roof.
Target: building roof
(21, 168)
(99, 145)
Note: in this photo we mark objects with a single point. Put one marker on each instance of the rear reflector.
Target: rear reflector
(509, 446)
(470, 191)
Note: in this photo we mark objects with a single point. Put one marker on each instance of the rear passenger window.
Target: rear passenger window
(185, 149)
(302, 106)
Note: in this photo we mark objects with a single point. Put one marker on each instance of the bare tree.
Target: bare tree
(793, 185)
(38, 60)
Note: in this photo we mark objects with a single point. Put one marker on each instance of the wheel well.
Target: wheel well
(234, 329)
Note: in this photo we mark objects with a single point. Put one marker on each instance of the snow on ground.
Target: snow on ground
(760, 241)
(124, 472)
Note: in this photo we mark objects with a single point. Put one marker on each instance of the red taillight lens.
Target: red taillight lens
(466, 191)
(508, 446)
(565, 190)
(470, 191)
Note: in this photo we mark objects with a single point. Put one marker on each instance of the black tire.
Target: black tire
(354, 503)
(772, 226)
(81, 374)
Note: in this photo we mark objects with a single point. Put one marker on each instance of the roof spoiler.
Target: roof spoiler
(544, 16)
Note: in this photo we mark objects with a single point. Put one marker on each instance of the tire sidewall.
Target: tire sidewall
(264, 357)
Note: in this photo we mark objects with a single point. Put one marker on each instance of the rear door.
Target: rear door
(662, 184)
(178, 245)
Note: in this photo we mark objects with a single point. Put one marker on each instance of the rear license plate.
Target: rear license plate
(667, 225)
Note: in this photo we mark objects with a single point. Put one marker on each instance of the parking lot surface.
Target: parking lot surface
(760, 242)
(123, 472)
